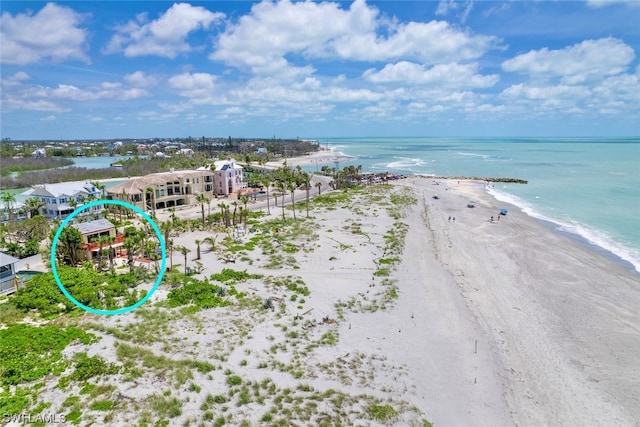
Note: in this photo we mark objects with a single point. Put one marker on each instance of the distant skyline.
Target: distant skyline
(127, 69)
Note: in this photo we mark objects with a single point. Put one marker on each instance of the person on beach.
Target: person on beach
(449, 218)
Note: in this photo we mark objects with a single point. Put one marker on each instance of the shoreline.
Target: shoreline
(561, 318)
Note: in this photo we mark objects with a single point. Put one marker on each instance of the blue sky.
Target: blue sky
(126, 69)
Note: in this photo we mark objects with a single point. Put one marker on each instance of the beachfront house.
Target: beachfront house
(92, 232)
(165, 189)
(60, 200)
(228, 177)
(8, 283)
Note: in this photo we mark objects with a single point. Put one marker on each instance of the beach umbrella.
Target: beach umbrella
(503, 211)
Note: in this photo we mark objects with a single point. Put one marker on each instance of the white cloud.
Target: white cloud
(546, 92)
(197, 86)
(140, 79)
(602, 3)
(48, 118)
(262, 40)
(166, 36)
(577, 63)
(19, 94)
(448, 75)
(54, 33)
(447, 6)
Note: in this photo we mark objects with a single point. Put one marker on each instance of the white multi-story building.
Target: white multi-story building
(228, 177)
(60, 200)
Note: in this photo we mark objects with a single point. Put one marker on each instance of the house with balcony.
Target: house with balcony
(92, 233)
(8, 284)
(60, 200)
(165, 189)
(229, 177)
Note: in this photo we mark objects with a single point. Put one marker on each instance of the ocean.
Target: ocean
(586, 187)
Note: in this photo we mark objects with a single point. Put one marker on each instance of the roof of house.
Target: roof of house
(95, 226)
(6, 259)
(139, 185)
(71, 189)
(223, 165)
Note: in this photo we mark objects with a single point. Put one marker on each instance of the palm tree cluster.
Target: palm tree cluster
(140, 243)
(288, 179)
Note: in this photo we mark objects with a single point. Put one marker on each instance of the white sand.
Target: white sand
(562, 320)
(495, 324)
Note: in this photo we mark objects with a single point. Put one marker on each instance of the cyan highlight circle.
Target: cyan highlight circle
(54, 269)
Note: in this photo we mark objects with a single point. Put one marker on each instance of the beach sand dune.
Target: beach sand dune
(427, 308)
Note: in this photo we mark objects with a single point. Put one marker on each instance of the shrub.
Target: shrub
(29, 353)
(234, 380)
(382, 412)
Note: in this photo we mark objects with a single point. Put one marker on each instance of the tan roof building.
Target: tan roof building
(165, 189)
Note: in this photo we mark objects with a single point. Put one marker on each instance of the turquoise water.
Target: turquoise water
(586, 186)
(25, 275)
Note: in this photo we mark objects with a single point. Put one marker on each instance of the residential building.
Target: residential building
(165, 189)
(229, 177)
(91, 232)
(60, 200)
(8, 283)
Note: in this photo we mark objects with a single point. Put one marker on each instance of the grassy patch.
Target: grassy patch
(29, 353)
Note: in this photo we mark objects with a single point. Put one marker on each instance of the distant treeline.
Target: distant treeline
(131, 167)
(10, 164)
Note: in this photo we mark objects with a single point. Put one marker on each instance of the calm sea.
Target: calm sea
(584, 186)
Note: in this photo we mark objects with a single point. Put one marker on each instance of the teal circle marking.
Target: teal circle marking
(54, 269)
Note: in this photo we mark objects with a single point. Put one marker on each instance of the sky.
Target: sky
(286, 69)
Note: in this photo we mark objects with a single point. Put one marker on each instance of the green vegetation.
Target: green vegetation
(228, 275)
(29, 353)
(202, 294)
(12, 165)
(89, 287)
(382, 412)
(292, 283)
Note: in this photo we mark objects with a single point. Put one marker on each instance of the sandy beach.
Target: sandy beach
(463, 322)
(319, 158)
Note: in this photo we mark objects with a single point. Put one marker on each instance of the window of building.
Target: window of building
(5, 271)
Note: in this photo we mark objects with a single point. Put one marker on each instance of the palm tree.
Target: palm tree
(198, 241)
(307, 186)
(292, 188)
(319, 187)
(211, 241)
(100, 187)
(166, 227)
(112, 250)
(267, 184)
(202, 199)
(9, 199)
(170, 246)
(282, 187)
(184, 251)
(235, 207)
(150, 191)
(34, 204)
(243, 213)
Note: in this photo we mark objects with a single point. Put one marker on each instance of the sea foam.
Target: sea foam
(593, 236)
